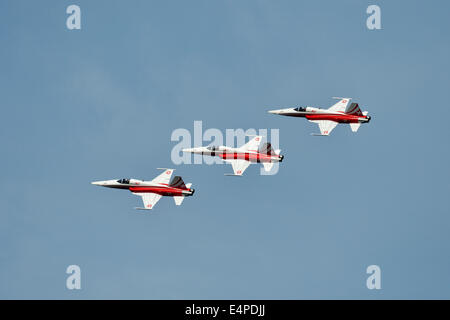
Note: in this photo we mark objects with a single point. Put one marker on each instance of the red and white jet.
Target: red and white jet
(328, 119)
(152, 191)
(240, 158)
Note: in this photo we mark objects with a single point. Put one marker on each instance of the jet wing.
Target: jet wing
(252, 144)
(149, 199)
(340, 106)
(325, 126)
(239, 166)
(164, 177)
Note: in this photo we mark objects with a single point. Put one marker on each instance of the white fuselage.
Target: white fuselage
(141, 186)
(229, 153)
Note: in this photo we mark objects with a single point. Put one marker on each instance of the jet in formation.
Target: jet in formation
(152, 191)
(328, 119)
(240, 158)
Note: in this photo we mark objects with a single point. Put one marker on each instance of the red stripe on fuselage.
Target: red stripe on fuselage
(159, 190)
(341, 118)
(252, 157)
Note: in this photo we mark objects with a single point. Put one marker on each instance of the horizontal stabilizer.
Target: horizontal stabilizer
(268, 166)
(178, 200)
(355, 126)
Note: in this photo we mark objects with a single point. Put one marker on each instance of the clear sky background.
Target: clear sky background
(101, 103)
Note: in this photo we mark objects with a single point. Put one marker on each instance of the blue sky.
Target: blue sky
(102, 102)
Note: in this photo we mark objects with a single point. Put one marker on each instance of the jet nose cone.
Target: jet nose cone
(280, 111)
(98, 183)
(187, 150)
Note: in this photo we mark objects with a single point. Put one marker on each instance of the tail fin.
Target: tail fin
(266, 148)
(354, 109)
(178, 200)
(177, 182)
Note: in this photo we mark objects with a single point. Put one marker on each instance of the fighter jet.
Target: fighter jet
(241, 158)
(152, 191)
(328, 119)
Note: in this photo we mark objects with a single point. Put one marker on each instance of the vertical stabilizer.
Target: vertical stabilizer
(353, 109)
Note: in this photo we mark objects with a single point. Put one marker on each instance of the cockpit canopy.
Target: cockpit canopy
(124, 181)
(300, 109)
(213, 148)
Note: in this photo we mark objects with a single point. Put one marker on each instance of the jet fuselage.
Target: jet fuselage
(312, 113)
(141, 186)
(227, 153)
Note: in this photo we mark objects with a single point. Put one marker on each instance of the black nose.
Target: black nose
(281, 158)
(193, 191)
